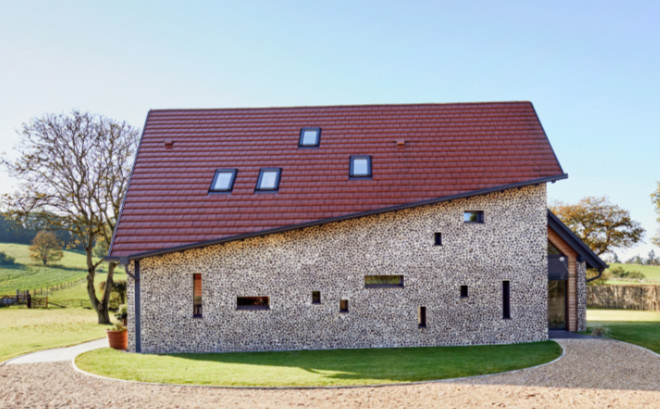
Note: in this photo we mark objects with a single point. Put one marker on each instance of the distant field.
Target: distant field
(652, 274)
(28, 275)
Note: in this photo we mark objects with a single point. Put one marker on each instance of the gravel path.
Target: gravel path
(592, 374)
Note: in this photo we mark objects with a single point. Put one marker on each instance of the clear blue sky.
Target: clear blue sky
(591, 68)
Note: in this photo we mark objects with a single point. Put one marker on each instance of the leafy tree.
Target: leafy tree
(655, 197)
(615, 258)
(652, 260)
(6, 260)
(602, 225)
(74, 171)
(46, 248)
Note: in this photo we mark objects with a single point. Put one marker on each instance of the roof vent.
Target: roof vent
(169, 143)
(400, 143)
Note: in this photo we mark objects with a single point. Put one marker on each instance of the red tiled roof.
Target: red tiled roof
(450, 149)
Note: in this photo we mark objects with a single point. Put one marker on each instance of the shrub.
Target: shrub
(598, 331)
(118, 287)
(606, 275)
(620, 272)
(6, 260)
(122, 312)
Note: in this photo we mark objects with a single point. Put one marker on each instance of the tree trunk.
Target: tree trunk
(101, 308)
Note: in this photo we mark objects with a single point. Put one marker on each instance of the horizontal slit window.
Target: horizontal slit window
(383, 281)
(473, 216)
(223, 181)
(252, 303)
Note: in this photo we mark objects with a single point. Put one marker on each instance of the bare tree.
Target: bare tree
(74, 171)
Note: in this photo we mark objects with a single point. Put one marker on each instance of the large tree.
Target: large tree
(655, 197)
(603, 226)
(74, 172)
(46, 247)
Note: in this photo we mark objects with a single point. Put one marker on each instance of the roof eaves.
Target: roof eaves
(206, 243)
(575, 242)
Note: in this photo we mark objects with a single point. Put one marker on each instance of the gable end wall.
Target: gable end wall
(334, 258)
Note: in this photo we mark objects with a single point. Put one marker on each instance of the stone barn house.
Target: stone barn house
(346, 227)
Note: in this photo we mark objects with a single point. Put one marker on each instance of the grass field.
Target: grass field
(652, 274)
(637, 327)
(318, 368)
(23, 330)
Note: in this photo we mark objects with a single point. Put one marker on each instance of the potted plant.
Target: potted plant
(118, 336)
(122, 313)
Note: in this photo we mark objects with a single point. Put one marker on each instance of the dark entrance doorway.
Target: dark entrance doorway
(557, 304)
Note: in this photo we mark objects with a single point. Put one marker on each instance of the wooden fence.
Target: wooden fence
(38, 296)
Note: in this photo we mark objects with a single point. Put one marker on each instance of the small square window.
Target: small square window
(473, 216)
(316, 297)
(343, 305)
(310, 137)
(269, 179)
(360, 167)
(223, 181)
(464, 291)
(438, 239)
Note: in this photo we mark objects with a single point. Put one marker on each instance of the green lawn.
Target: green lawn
(637, 327)
(652, 274)
(23, 330)
(318, 368)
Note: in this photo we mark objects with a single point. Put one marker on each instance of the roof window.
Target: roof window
(223, 181)
(269, 180)
(310, 138)
(360, 167)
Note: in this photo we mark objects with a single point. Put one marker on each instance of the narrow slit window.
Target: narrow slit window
(252, 303)
(360, 167)
(343, 305)
(438, 239)
(310, 138)
(464, 291)
(421, 317)
(269, 180)
(383, 281)
(506, 300)
(197, 295)
(223, 181)
(316, 297)
(473, 216)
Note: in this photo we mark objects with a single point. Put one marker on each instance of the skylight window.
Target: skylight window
(310, 137)
(269, 180)
(223, 181)
(360, 167)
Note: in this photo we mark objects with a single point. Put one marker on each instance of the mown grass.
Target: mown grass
(651, 273)
(637, 327)
(25, 330)
(318, 368)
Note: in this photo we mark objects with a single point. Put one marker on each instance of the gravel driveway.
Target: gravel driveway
(593, 374)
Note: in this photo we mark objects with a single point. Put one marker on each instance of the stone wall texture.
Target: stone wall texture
(581, 278)
(629, 297)
(333, 258)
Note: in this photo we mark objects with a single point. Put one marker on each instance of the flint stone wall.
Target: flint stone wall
(510, 245)
(581, 296)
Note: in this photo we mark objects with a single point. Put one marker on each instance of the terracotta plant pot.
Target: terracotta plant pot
(118, 339)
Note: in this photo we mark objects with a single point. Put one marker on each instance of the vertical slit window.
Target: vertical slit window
(316, 297)
(421, 317)
(197, 295)
(464, 291)
(343, 305)
(438, 239)
(506, 300)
